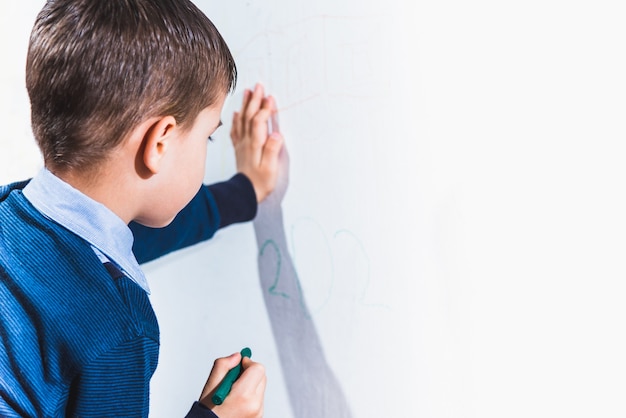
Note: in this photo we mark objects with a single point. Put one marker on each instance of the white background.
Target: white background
(473, 153)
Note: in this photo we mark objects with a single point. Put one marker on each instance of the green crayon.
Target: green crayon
(223, 389)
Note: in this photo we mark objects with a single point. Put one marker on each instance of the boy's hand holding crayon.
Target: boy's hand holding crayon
(245, 399)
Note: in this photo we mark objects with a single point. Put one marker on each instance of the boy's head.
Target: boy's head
(98, 68)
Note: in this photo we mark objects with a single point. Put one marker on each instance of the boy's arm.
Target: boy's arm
(257, 153)
(214, 207)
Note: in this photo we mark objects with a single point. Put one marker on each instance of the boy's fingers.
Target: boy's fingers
(274, 115)
(268, 103)
(235, 129)
(253, 377)
(247, 94)
(248, 391)
(252, 108)
(259, 126)
(224, 364)
(271, 149)
(221, 366)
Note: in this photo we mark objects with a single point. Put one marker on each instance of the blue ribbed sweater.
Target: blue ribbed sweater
(77, 339)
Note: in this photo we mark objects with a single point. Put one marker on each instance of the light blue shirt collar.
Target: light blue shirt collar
(90, 220)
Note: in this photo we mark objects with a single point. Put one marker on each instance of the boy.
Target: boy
(124, 94)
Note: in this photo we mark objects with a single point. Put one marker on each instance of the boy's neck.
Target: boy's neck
(106, 186)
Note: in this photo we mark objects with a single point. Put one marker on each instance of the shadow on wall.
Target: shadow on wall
(312, 387)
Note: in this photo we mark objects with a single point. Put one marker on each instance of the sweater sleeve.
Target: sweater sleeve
(200, 411)
(213, 207)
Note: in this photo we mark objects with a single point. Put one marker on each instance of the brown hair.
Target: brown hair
(98, 68)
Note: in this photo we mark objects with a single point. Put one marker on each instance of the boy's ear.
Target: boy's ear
(156, 141)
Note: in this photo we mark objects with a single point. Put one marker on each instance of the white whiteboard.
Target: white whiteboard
(455, 211)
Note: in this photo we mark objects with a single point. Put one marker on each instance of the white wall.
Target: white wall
(19, 155)
(454, 212)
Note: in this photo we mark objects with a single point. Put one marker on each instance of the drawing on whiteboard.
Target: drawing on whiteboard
(272, 289)
(313, 389)
(337, 55)
(314, 59)
(347, 263)
(318, 66)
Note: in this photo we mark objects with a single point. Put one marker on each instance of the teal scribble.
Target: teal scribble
(279, 262)
(272, 290)
(362, 292)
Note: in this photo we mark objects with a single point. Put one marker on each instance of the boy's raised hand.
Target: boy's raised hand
(246, 397)
(256, 151)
